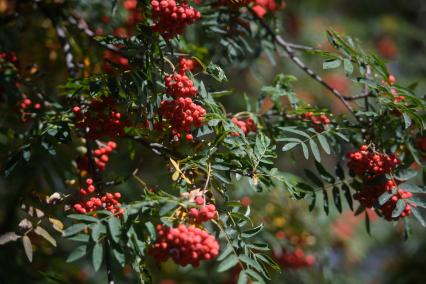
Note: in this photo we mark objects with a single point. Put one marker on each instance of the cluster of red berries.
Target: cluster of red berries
(187, 64)
(371, 166)
(370, 193)
(247, 125)
(203, 214)
(368, 163)
(182, 114)
(113, 59)
(172, 18)
(9, 57)
(130, 4)
(101, 157)
(108, 202)
(295, 259)
(319, 121)
(27, 108)
(391, 81)
(99, 118)
(184, 244)
(262, 7)
(179, 85)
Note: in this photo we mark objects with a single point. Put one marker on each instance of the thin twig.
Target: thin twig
(82, 25)
(63, 39)
(288, 48)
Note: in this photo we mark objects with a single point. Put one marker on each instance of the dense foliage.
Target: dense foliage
(127, 145)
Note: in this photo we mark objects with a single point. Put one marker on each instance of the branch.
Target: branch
(82, 25)
(62, 37)
(289, 49)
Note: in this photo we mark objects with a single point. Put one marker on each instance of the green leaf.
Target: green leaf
(289, 146)
(28, 248)
(407, 120)
(326, 176)
(318, 182)
(405, 174)
(252, 232)
(324, 144)
(348, 66)
(315, 150)
(385, 197)
(114, 226)
(228, 263)
(216, 72)
(167, 208)
(399, 208)
(305, 151)
(80, 238)
(74, 229)
(325, 199)
(292, 129)
(78, 253)
(83, 217)
(348, 196)
(242, 278)
(337, 199)
(98, 230)
(42, 232)
(121, 259)
(331, 64)
(340, 173)
(412, 188)
(367, 223)
(97, 256)
(418, 216)
(227, 251)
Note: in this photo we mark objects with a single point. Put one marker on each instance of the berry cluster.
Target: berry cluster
(184, 244)
(99, 118)
(179, 85)
(319, 121)
(108, 202)
(370, 164)
(204, 213)
(101, 157)
(27, 108)
(391, 81)
(295, 259)
(130, 4)
(172, 18)
(112, 59)
(247, 125)
(187, 64)
(262, 7)
(182, 114)
(370, 193)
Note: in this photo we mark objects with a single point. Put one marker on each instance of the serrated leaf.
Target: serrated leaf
(412, 188)
(315, 150)
(367, 223)
(418, 216)
(331, 64)
(399, 208)
(228, 263)
(326, 176)
(305, 151)
(336, 198)
(289, 146)
(97, 256)
(325, 200)
(340, 173)
(83, 217)
(252, 232)
(8, 237)
(348, 196)
(74, 229)
(385, 197)
(114, 226)
(28, 248)
(167, 208)
(314, 178)
(324, 144)
(98, 230)
(42, 232)
(57, 225)
(78, 253)
(250, 262)
(405, 174)
(242, 278)
(348, 66)
(80, 238)
(313, 202)
(228, 250)
(121, 259)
